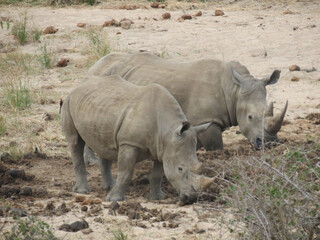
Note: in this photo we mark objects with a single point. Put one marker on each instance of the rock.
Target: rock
(63, 62)
(79, 225)
(166, 16)
(118, 33)
(50, 206)
(154, 5)
(81, 25)
(63, 209)
(57, 184)
(79, 198)
(26, 191)
(198, 14)
(65, 227)
(84, 208)
(111, 23)
(87, 231)
(49, 116)
(219, 13)
(16, 173)
(94, 210)
(295, 79)
(98, 219)
(295, 28)
(50, 30)
(13, 191)
(125, 24)
(288, 12)
(186, 17)
(294, 68)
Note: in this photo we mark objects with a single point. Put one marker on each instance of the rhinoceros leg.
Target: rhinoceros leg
(211, 139)
(155, 178)
(89, 156)
(105, 168)
(76, 147)
(127, 157)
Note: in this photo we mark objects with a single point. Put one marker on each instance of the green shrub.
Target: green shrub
(3, 126)
(98, 44)
(119, 235)
(45, 57)
(17, 95)
(30, 228)
(19, 30)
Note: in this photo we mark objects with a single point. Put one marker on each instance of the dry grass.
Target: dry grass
(276, 196)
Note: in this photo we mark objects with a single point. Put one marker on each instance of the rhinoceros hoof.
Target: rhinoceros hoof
(108, 186)
(81, 189)
(114, 197)
(157, 195)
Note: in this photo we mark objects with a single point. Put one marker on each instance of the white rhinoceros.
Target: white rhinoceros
(207, 91)
(121, 121)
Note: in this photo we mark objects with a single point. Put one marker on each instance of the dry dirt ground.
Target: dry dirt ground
(263, 36)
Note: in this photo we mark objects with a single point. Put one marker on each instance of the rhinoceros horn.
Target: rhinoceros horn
(205, 182)
(273, 123)
(197, 168)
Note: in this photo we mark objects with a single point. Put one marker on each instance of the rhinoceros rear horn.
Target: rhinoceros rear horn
(197, 168)
(274, 123)
(201, 128)
(206, 182)
(269, 110)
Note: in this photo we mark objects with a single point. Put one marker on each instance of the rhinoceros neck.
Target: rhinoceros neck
(231, 92)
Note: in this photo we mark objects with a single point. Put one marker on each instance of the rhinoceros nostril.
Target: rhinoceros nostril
(258, 144)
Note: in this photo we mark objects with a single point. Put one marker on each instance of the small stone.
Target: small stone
(79, 198)
(79, 225)
(84, 208)
(294, 68)
(118, 33)
(154, 5)
(288, 12)
(295, 79)
(198, 14)
(219, 13)
(26, 191)
(166, 16)
(98, 219)
(57, 184)
(50, 30)
(186, 17)
(111, 23)
(125, 24)
(200, 231)
(50, 206)
(63, 62)
(16, 173)
(87, 231)
(295, 28)
(81, 25)
(173, 224)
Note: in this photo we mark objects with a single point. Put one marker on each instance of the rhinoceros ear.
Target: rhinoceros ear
(237, 78)
(201, 128)
(273, 78)
(184, 127)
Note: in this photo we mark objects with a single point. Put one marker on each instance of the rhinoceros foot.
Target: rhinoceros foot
(159, 195)
(81, 188)
(115, 196)
(108, 185)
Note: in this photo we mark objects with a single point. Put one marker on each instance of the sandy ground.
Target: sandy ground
(260, 36)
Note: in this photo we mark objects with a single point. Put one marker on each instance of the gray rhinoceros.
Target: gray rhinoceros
(121, 121)
(207, 91)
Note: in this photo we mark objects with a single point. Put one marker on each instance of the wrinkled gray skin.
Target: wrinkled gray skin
(207, 90)
(128, 123)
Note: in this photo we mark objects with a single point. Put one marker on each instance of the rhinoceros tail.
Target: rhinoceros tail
(61, 103)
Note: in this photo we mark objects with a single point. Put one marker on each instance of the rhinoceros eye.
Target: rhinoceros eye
(180, 169)
(250, 117)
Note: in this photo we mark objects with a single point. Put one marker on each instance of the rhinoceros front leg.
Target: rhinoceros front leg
(76, 148)
(211, 139)
(105, 168)
(89, 156)
(127, 157)
(155, 179)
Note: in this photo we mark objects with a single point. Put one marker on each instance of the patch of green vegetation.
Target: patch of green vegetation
(98, 44)
(45, 57)
(19, 30)
(119, 235)
(3, 126)
(17, 95)
(29, 228)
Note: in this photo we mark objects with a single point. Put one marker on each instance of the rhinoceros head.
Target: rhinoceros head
(181, 164)
(255, 119)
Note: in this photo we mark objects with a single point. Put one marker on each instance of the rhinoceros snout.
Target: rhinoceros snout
(188, 199)
(258, 144)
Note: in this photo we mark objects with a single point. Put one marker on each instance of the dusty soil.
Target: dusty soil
(260, 36)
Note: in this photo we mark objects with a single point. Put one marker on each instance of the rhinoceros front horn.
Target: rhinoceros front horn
(274, 123)
(205, 183)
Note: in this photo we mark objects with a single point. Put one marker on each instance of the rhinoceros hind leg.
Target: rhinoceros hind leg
(89, 156)
(76, 147)
(127, 157)
(155, 179)
(211, 139)
(105, 167)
